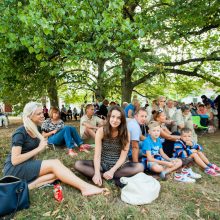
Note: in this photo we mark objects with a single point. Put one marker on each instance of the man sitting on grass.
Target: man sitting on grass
(89, 123)
(136, 136)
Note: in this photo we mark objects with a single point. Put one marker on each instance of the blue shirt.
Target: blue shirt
(152, 146)
(129, 107)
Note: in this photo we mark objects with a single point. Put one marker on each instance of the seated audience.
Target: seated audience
(160, 104)
(136, 135)
(170, 112)
(154, 105)
(185, 147)
(155, 159)
(184, 120)
(201, 109)
(63, 113)
(58, 134)
(111, 149)
(193, 109)
(111, 104)
(89, 123)
(3, 119)
(210, 113)
(206, 100)
(69, 114)
(202, 112)
(217, 106)
(45, 111)
(75, 113)
(96, 106)
(81, 111)
(103, 110)
(149, 111)
(131, 108)
(124, 105)
(167, 137)
(27, 143)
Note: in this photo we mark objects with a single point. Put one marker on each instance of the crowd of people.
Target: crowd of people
(159, 138)
(3, 119)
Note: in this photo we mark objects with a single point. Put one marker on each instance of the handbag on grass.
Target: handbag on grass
(14, 195)
(140, 189)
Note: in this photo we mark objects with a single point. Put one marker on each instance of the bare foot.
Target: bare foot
(92, 190)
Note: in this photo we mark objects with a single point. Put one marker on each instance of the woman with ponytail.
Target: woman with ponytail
(27, 143)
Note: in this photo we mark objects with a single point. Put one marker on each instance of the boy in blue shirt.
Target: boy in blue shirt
(185, 147)
(155, 159)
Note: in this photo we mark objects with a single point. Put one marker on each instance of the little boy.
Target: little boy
(185, 147)
(154, 157)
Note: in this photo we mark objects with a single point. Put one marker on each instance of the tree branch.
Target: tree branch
(204, 29)
(157, 6)
(191, 61)
(144, 78)
(139, 93)
(214, 80)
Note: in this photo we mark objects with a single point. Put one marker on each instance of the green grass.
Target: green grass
(176, 200)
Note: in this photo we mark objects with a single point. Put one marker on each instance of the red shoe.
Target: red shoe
(82, 148)
(86, 146)
(215, 167)
(58, 193)
(72, 153)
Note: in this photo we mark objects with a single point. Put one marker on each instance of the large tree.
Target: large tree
(134, 40)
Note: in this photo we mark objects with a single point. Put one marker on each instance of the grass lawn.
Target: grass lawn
(176, 201)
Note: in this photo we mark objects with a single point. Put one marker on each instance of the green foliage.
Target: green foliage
(137, 40)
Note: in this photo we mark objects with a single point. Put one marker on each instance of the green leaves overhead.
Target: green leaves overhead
(136, 40)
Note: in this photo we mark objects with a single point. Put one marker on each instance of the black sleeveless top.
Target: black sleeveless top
(111, 150)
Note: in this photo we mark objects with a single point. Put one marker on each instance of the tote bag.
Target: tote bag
(140, 189)
(14, 195)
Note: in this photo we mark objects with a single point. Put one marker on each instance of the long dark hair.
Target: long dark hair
(122, 128)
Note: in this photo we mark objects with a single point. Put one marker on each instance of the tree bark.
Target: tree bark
(126, 83)
(100, 92)
(52, 92)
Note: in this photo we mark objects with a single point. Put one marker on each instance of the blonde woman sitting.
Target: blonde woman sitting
(27, 143)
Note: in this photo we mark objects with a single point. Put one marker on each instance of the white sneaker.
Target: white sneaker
(188, 172)
(183, 178)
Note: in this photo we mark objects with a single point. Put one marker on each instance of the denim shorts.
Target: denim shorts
(150, 164)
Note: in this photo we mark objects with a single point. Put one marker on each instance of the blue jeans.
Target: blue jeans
(68, 135)
(140, 143)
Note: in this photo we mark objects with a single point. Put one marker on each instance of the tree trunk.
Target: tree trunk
(100, 92)
(52, 92)
(126, 83)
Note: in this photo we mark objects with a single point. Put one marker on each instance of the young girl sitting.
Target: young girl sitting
(111, 149)
(185, 147)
